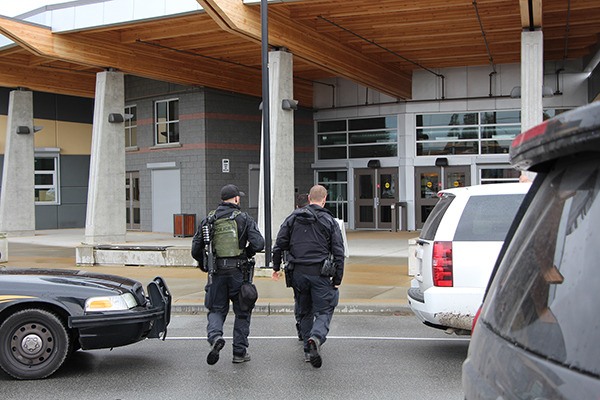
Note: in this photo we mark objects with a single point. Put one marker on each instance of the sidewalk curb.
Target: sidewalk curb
(268, 309)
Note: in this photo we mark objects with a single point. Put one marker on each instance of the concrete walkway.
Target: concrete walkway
(375, 280)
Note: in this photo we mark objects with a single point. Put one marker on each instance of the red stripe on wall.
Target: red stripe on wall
(219, 116)
(215, 146)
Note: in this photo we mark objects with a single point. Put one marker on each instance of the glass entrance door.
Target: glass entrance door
(132, 195)
(375, 191)
(429, 181)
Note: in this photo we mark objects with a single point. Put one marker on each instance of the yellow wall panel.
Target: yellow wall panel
(71, 137)
(47, 136)
(74, 138)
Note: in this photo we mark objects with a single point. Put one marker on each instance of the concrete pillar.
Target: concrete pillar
(17, 202)
(532, 78)
(105, 218)
(532, 82)
(281, 143)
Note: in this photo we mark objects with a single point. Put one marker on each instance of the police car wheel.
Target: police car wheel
(33, 344)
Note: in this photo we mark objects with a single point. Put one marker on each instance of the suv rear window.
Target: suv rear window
(433, 220)
(487, 218)
(545, 296)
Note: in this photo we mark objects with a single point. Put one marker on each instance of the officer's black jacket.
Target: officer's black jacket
(247, 233)
(317, 239)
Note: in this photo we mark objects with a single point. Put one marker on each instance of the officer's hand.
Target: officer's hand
(275, 275)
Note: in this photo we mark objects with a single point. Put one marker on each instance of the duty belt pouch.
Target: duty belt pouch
(328, 267)
(288, 272)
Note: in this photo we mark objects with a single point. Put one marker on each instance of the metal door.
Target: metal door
(132, 195)
(166, 198)
(429, 181)
(375, 190)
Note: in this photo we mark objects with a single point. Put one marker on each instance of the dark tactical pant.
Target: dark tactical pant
(317, 299)
(225, 287)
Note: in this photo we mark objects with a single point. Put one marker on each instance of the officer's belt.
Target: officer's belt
(230, 263)
(308, 269)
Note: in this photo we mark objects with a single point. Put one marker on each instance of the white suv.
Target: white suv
(456, 252)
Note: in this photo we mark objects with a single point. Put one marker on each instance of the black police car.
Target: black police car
(46, 315)
(538, 332)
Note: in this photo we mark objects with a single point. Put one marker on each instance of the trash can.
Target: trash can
(184, 225)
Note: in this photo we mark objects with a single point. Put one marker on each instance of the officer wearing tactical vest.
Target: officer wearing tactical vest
(232, 238)
(315, 247)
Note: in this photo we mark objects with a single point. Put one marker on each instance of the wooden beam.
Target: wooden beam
(531, 18)
(310, 45)
(137, 58)
(44, 79)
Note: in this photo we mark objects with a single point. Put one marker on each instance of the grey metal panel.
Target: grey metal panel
(74, 170)
(46, 217)
(71, 216)
(73, 195)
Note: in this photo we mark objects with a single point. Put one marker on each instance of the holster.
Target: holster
(328, 267)
(288, 272)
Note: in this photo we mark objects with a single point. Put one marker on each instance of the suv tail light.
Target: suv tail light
(442, 264)
(475, 319)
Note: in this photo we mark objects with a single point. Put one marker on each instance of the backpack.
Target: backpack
(225, 235)
(299, 228)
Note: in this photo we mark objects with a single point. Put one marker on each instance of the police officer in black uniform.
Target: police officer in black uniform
(310, 235)
(224, 283)
(279, 256)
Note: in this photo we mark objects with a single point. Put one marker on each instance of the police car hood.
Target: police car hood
(66, 277)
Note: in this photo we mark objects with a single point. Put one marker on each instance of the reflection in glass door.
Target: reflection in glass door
(375, 192)
(132, 196)
(429, 182)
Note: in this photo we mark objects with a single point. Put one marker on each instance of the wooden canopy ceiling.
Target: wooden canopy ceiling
(374, 43)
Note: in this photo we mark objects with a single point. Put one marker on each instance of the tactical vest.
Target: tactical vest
(225, 235)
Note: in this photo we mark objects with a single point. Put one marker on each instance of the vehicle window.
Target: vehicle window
(487, 218)
(433, 220)
(545, 296)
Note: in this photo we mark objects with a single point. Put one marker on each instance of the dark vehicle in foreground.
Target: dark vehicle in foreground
(47, 314)
(538, 332)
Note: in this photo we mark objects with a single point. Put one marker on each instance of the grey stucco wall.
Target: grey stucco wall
(214, 125)
(189, 158)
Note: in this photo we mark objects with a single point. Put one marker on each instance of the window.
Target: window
(131, 127)
(46, 179)
(357, 138)
(336, 183)
(166, 117)
(435, 217)
(488, 132)
(545, 295)
(489, 175)
(487, 218)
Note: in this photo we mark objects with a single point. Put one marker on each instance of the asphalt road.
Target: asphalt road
(365, 357)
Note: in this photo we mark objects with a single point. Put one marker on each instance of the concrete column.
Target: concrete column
(532, 82)
(17, 202)
(532, 78)
(281, 144)
(105, 218)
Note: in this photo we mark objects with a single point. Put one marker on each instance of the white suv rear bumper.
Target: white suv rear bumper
(447, 307)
